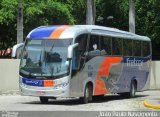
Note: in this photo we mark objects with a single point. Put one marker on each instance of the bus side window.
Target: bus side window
(137, 48)
(116, 46)
(94, 47)
(94, 40)
(146, 48)
(105, 43)
(127, 47)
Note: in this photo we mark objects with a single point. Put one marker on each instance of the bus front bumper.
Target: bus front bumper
(46, 88)
(44, 91)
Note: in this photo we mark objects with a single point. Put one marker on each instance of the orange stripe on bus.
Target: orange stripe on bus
(48, 83)
(100, 87)
(57, 33)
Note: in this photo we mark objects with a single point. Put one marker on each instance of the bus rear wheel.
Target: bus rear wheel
(87, 94)
(133, 89)
(132, 93)
(43, 100)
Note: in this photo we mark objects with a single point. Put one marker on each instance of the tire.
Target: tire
(43, 100)
(132, 92)
(87, 94)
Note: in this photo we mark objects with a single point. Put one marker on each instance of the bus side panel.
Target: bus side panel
(87, 74)
(134, 69)
(147, 71)
(76, 89)
(97, 70)
(111, 75)
(108, 74)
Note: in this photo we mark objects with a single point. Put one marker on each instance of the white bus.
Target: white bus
(83, 61)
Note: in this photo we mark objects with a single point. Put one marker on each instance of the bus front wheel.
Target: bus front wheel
(43, 100)
(87, 94)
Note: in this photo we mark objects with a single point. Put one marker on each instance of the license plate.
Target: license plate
(48, 83)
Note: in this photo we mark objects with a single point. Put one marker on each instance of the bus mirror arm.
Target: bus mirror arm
(70, 50)
(15, 47)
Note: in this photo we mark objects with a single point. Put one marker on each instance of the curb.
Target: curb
(151, 105)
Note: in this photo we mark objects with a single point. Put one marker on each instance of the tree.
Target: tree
(90, 15)
(148, 23)
(36, 13)
(78, 10)
(111, 13)
(132, 16)
(20, 22)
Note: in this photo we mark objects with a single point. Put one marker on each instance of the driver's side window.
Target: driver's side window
(79, 52)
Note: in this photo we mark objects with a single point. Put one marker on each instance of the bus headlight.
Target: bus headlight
(20, 79)
(62, 85)
(21, 82)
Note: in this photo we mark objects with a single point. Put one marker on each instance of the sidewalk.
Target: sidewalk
(11, 92)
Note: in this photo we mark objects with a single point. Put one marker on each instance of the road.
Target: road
(16, 102)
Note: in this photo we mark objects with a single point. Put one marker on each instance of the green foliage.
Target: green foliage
(7, 11)
(148, 22)
(47, 13)
(51, 12)
(148, 18)
(78, 10)
(36, 8)
(36, 13)
(116, 8)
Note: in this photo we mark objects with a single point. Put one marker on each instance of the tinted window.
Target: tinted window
(94, 41)
(105, 43)
(82, 40)
(127, 47)
(79, 52)
(146, 49)
(116, 46)
(137, 48)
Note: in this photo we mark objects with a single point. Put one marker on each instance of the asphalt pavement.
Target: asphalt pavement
(15, 102)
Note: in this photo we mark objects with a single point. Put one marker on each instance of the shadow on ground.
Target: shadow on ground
(77, 101)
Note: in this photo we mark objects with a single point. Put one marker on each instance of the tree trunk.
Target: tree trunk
(132, 16)
(20, 22)
(91, 11)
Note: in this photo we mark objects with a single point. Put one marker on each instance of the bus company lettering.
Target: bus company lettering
(134, 62)
(32, 82)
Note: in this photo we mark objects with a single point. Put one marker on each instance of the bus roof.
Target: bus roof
(69, 31)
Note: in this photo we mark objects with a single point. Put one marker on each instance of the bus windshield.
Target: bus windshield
(45, 58)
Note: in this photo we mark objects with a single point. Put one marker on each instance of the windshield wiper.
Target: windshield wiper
(40, 59)
(40, 62)
(51, 47)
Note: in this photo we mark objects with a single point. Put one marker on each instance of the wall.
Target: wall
(155, 75)
(9, 75)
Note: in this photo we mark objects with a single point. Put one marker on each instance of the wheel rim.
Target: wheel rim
(87, 93)
(133, 90)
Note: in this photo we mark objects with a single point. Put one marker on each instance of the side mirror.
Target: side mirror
(70, 50)
(16, 51)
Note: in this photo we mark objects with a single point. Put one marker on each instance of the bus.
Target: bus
(83, 61)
